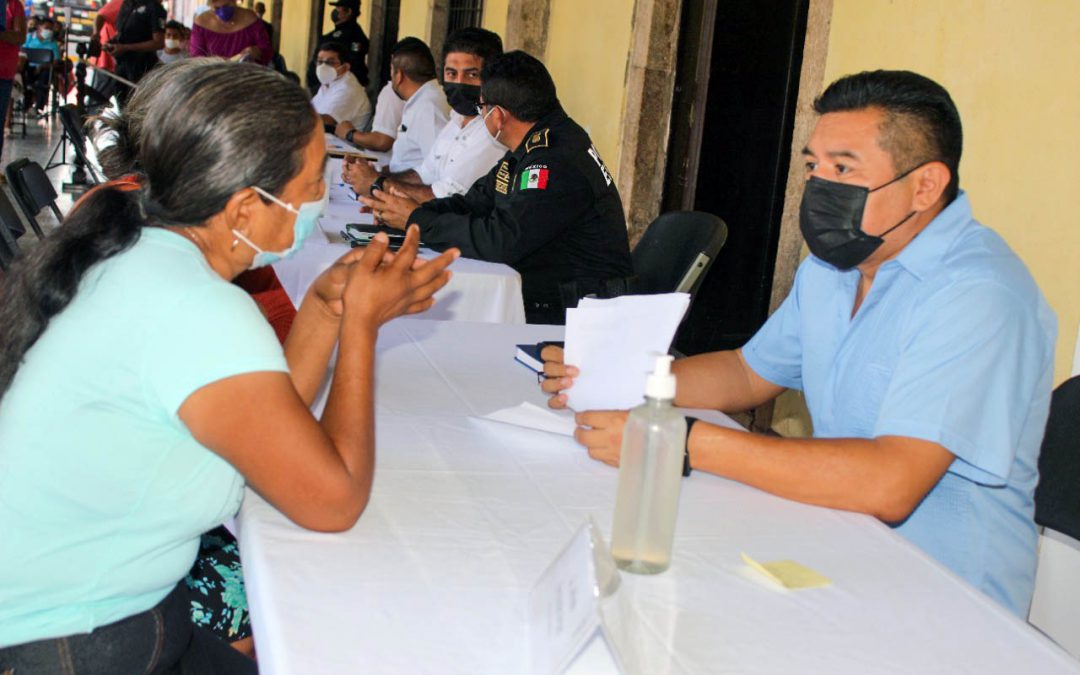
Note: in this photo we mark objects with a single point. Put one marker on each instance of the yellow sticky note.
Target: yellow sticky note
(788, 573)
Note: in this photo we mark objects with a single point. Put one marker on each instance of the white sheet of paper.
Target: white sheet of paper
(532, 416)
(614, 344)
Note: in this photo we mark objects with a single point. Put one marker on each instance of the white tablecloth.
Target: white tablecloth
(478, 291)
(466, 514)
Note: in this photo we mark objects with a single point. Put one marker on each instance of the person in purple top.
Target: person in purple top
(230, 32)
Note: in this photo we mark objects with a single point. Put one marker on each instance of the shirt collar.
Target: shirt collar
(547, 121)
(925, 252)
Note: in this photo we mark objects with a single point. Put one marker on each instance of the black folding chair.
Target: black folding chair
(40, 60)
(9, 225)
(677, 251)
(33, 191)
(1057, 497)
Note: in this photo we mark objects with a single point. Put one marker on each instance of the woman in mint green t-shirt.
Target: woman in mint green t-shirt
(141, 390)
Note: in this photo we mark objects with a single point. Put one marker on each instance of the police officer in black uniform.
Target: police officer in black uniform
(349, 33)
(140, 33)
(549, 208)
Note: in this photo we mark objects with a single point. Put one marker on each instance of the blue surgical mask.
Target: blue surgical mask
(307, 218)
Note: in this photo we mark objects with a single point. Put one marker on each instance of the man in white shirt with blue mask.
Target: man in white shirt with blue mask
(340, 98)
(464, 151)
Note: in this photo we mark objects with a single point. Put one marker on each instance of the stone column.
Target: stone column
(527, 26)
(438, 17)
(650, 82)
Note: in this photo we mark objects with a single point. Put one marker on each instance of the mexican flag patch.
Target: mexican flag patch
(534, 178)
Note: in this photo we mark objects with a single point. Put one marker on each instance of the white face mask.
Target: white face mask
(172, 44)
(326, 73)
(46, 34)
(484, 119)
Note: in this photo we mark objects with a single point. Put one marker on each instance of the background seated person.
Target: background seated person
(230, 32)
(339, 97)
(173, 389)
(923, 346)
(384, 126)
(464, 150)
(412, 78)
(174, 43)
(549, 208)
(37, 76)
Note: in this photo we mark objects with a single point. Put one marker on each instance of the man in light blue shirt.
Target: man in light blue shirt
(923, 345)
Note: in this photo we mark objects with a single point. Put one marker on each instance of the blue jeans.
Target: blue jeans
(159, 641)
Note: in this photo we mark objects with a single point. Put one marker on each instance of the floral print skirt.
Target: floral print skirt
(216, 587)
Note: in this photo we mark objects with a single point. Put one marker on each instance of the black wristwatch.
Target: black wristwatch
(349, 135)
(690, 421)
(377, 184)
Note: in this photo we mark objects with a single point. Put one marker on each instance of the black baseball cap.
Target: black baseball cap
(354, 5)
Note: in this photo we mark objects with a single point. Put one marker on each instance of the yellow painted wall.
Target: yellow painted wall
(414, 18)
(588, 43)
(495, 16)
(1011, 67)
(295, 27)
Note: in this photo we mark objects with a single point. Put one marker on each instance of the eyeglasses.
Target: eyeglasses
(328, 63)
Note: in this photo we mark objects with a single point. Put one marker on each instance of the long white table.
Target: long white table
(478, 290)
(466, 514)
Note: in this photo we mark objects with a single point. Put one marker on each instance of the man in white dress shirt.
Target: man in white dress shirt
(464, 151)
(412, 76)
(340, 97)
(384, 126)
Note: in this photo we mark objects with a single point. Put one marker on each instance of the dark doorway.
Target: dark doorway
(732, 120)
(391, 14)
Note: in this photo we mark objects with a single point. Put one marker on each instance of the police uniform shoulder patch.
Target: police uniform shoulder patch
(538, 139)
(534, 177)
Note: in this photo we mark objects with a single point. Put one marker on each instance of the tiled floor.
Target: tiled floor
(42, 136)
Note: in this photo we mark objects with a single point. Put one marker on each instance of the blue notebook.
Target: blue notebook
(529, 355)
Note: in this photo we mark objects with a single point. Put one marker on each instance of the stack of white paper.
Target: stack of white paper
(614, 343)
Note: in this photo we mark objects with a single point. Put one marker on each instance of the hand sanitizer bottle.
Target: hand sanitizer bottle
(650, 472)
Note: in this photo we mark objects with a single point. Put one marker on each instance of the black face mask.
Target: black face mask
(830, 218)
(463, 98)
(334, 15)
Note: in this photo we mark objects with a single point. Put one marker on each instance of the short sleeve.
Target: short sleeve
(971, 363)
(111, 10)
(775, 352)
(159, 18)
(387, 113)
(215, 332)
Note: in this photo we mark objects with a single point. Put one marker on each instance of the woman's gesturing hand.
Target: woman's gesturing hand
(381, 287)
